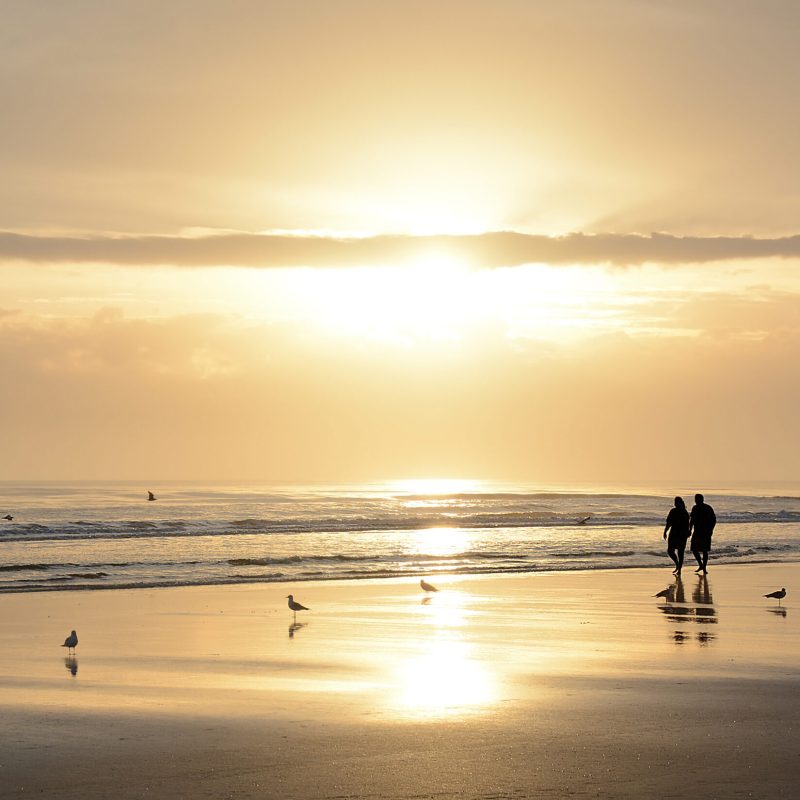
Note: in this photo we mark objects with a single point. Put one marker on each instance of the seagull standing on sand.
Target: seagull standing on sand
(8, 517)
(71, 641)
(427, 587)
(295, 606)
(151, 496)
(779, 595)
(665, 592)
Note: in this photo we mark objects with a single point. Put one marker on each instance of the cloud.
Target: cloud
(486, 250)
(209, 397)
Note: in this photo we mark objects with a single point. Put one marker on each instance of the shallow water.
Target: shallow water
(107, 535)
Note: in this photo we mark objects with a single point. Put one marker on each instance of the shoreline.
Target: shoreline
(558, 683)
(396, 576)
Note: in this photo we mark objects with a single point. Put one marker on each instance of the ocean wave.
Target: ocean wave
(272, 576)
(90, 575)
(607, 518)
(22, 567)
(597, 554)
(264, 562)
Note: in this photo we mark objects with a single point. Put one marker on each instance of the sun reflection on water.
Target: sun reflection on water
(439, 541)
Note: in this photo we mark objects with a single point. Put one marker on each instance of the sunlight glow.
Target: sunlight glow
(436, 486)
(437, 300)
(439, 541)
(429, 299)
(445, 681)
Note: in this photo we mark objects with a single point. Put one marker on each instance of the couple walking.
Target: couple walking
(699, 525)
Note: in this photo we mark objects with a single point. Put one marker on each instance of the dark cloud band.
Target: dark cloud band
(487, 250)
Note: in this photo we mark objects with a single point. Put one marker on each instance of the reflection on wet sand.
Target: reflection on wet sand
(780, 611)
(296, 626)
(71, 663)
(699, 611)
(441, 676)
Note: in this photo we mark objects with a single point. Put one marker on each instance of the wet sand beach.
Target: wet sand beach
(571, 684)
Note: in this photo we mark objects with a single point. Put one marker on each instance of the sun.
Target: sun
(437, 299)
(428, 299)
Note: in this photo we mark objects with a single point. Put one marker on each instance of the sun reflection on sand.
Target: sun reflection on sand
(441, 677)
(444, 681)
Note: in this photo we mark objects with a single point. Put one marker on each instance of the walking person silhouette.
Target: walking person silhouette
(678, 527)
(701, 525)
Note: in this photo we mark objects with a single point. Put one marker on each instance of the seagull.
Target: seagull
(779, 595)
(71, 641)
(427, 587)
(151, 496)
(8, 517)
(295, 606)
(664, 592)
(584, 520)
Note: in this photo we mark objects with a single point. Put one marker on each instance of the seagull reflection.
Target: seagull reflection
(426, 601)
(295, 626)
(780, 611)
(71, 663)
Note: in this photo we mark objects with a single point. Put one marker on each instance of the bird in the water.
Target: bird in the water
(427, 587)
(71, 641)
(294, 605)
(8, 517)
(779, 595)
(151, 496)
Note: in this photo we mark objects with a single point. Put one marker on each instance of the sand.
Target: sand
(575, 684)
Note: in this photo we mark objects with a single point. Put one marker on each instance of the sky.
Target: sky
(541, 242)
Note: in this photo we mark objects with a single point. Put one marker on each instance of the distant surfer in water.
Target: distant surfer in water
(676, 532)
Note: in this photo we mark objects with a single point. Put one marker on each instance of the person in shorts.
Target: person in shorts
(701, 526)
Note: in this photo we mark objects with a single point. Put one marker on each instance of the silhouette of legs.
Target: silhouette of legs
(702, 560)
(674, 556)
(675, 552)
(671, 553)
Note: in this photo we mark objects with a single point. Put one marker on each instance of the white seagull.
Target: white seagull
(294, 605)
(779, 595)
(71, 641)
(427, 587)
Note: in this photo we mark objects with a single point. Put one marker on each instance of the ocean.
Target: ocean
(67, 536)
